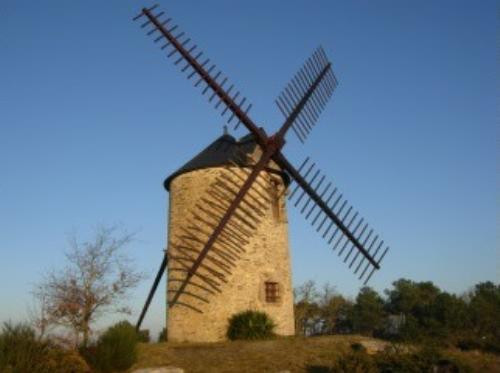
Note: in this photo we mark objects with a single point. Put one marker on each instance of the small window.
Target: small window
(272, 292)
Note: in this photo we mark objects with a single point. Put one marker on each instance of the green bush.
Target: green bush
(492, 345)
(426, 359)
(394, 359)
(163, 336)
(250, 325)
(467, 344)
(354, 362)
(21, 351)
(398, 359)
(65, 361)
(115, 350)
(358, 347)
(475, 343)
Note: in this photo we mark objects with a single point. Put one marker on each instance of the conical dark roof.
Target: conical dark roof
(218, 154)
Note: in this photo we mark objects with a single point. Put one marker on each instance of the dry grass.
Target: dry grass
(294, 354)
(477, 360)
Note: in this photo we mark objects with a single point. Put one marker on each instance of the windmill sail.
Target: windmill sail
(195, 64)
(338, 223)
(306, 95)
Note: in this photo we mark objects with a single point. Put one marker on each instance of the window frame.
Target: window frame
(272, 292)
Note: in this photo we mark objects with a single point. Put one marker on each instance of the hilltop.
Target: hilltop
(296, 354)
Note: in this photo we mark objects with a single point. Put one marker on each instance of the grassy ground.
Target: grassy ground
(293, 354)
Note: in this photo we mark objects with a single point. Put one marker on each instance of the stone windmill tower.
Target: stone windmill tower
(261, 280)
(228, 248)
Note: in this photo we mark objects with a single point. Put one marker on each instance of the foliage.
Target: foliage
(163, 336)
(368, 312)
(21, 351)
(484, 309)
(66, 361)
(450, 312)
(426, 359)
(335, 312)
(407, 298)
(358, 347)
(95, 281)
(116, 349)
(307, 318)
(354, 362)
(397, 358)
(321, 312)
(432, 313)
(410, 297)
(488, 344)
(468, 344)
(410, 311)
(306, 308)
(250, 325)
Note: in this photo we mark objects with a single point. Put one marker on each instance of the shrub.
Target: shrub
(425, 359)
(492, 345)
(250, 325)
(163, 336)
(21, 351)
(485, 344)
(66, 361)
(358, 347)
(354, 362)
(115, 350)
(468, 344)
(394, 359)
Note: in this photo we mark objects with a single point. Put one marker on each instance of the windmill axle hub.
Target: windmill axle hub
(274, 143)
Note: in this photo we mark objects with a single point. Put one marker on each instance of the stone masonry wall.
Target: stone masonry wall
(265, 258)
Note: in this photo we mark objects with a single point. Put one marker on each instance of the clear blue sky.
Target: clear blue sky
(93, 117)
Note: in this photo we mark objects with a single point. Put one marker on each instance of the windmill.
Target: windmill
(237, 198)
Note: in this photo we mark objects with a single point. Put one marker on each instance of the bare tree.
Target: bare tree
(307, 292)
(95, 281)
(335, 311)
(306, 308)
(328, 291)
(38, 312)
